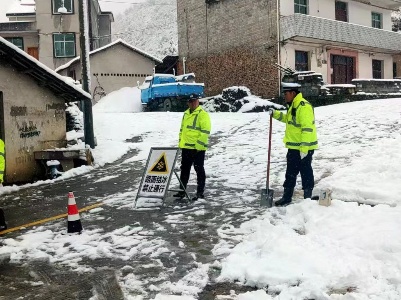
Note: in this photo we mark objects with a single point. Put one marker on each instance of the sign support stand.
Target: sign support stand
(157, 174)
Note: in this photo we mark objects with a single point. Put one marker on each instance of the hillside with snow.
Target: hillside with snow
(151, 27)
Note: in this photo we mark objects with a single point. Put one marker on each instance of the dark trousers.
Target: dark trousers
(191, 157)
(2, 219)
(296, 165)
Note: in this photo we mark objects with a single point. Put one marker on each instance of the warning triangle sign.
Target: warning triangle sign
(160, 166)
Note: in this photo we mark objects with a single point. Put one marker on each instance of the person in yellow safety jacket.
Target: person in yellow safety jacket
(194, 141)
(301, 140)
(3, 225)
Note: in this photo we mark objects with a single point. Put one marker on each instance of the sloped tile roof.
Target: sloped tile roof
(299, 25)
(60, 85)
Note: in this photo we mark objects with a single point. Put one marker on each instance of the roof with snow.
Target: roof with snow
(21, 8)
(119, 41)
(61, 86)
(301, 27)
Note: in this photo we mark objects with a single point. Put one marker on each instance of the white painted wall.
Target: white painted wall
(358, 13)
(364, 60)
(365, 65)
(117, 62)
(288, 57)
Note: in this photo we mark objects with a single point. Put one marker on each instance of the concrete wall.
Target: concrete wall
(230, 43)
(30, 39)
(117, 67)
(365, 65)
(34, 120)
(358, 13)
(47, 24)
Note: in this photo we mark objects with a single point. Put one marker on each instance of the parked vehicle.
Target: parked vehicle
(166, 92)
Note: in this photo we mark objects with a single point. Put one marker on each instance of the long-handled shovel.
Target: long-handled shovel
(267, 194)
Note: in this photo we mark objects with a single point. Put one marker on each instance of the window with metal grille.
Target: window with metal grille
(341, 11)
(63, 7)
(17, 41)
(301, 6)
(301, 61)
(64, 44)
(377, 68)
(377, 20)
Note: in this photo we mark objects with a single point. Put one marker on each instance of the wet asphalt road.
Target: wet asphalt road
(61, 282)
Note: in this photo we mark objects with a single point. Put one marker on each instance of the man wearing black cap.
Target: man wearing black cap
(194, 141)
(300, 139)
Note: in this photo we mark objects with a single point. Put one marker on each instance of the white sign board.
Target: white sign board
(158, 171)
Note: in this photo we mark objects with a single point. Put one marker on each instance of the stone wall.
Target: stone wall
(230, 42)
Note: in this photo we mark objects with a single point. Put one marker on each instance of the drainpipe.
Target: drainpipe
(278, 45)
(184, 60)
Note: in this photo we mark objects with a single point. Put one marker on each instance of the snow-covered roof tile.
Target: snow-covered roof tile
(23, 7)
(119, 41)
(306, 26)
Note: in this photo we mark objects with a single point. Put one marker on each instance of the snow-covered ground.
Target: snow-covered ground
(304, 251)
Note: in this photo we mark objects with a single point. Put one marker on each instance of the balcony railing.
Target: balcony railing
(326, 31)
(18, 26)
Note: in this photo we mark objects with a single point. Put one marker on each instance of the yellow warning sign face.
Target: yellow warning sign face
(160, 166)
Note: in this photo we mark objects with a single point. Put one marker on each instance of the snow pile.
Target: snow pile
(238, 99)
(74, 117)
(75, 125)
(307, 251)
(125, 100)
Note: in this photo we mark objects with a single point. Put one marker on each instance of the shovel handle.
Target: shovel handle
(269, 152)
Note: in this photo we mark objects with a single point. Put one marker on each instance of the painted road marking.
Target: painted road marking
(49, 219)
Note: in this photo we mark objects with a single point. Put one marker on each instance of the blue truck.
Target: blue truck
(166, 92)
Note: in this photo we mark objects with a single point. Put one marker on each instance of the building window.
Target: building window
(377, 68)
(64, 44)
(377, 20)
(394, 70)
(301, 6)
(301, 61)
(341, 11)
(59, 4)
(17, 41)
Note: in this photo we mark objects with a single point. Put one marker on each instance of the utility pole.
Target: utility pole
(84, 45)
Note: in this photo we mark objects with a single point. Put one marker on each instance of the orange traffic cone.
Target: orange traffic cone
(74, 222)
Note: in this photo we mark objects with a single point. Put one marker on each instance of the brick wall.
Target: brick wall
(231, 42)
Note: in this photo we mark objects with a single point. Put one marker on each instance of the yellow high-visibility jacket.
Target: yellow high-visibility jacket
(2, 161)
(195, 130)
(300, 131)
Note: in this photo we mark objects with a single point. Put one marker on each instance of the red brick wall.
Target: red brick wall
(238, 67)
(231, 42)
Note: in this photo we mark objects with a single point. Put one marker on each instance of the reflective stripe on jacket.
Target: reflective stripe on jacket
(2, 160)
(195, 130)
(300, 131)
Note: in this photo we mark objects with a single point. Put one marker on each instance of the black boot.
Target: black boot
(307, 193)
(286, 199)
(3, 225)
(198, 196)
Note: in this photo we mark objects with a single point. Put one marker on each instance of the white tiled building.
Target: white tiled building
(341, 40)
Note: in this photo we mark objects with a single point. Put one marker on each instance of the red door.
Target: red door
(33, 51)
(343, 69)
